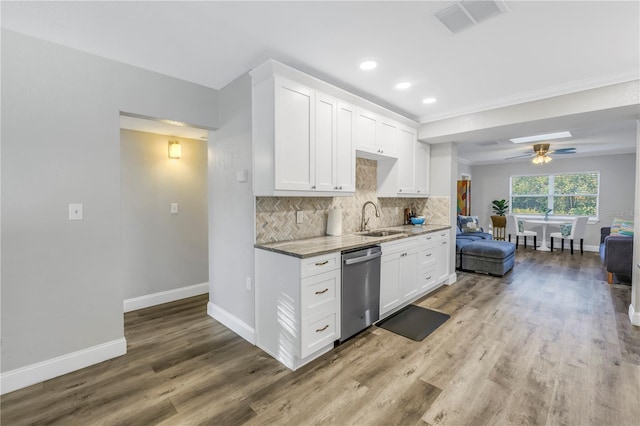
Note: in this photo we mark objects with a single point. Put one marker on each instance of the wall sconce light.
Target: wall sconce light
(175, 150)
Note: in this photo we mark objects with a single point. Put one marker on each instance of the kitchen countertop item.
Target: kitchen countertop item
(316, 246)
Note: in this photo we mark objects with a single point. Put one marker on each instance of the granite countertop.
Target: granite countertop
(316, 246)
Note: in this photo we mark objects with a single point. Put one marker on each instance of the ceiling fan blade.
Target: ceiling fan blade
(564, 151)
(521, 156)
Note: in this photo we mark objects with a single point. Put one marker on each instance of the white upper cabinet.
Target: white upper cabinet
(406, 161)
(409, 175)
(345, 161)
(325, 142)
(302, 141)
(422, 166)
(376, 134)
(305, 134)
(294, 136)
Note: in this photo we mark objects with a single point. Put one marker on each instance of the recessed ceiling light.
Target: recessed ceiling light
(368, 65)
(545, 137)
(428, 100)
(403, 85)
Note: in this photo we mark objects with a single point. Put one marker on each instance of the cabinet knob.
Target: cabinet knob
(340, 187)
(418, 190)
(400, 190)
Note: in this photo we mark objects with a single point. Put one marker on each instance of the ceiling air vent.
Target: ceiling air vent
(467, 13)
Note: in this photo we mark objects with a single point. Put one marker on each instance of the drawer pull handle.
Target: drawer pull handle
(428, 278)
(322, 263)
(323, 291)
(429, 254)
(320, 330)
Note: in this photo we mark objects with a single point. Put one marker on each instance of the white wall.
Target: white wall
(634, 306)
(443, 176)
(62, 288)
(232, 212)
(463, 168)
(617, 181)
(163, 251)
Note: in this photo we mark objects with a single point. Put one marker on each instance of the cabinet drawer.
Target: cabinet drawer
(427, 257)
(443, 235)
(317, 332)
(428, 240)
(319, 264)
(405, 245)
(427, 278)
(319, 293)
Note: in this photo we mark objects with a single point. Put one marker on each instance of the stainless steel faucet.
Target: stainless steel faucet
(363, 224)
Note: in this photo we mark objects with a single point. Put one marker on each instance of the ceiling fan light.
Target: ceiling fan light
(547, 159)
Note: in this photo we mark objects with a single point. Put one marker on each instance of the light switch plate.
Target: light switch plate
(75, 211)
(299, 216)
(174, 208)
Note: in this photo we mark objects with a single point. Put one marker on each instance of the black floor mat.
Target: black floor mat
(414, 322)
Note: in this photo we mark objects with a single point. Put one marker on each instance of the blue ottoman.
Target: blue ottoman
(488, 256)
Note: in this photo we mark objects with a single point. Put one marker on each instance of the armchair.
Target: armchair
(616, 253)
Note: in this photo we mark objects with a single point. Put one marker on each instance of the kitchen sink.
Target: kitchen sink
(381, 233)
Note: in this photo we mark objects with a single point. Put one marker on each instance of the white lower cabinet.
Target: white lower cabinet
(442, 255)
(411, 268)
(297, 305)
(398, 279)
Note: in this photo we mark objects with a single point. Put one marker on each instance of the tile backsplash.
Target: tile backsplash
(276, 216)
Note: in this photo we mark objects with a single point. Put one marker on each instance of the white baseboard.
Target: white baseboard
(164, 297)
(54, 367)
(452, 279)
(634, 316)
(232, 322)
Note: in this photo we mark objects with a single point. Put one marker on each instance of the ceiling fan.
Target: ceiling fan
(541, 153)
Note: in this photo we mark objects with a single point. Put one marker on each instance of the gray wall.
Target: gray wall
(463, 168)
(617, 186)
(232, 208)
(162, 251)
(62, 285)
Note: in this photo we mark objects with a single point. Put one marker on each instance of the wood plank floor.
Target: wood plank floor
(548, 344)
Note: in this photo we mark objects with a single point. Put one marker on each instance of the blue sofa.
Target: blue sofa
(616, 253)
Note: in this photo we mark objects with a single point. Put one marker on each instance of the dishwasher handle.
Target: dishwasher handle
(362, 259)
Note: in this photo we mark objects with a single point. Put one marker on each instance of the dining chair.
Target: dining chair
(512, 228)
(578, 229)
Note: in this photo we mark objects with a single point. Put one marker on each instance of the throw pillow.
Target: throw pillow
(615, 226)
(468, 223)
(626, 229)
(520, 226)
(621, 227)
(565, 230)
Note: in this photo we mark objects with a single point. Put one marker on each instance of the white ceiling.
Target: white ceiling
(536, 50)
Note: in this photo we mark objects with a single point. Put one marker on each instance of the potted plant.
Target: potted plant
(498, 220)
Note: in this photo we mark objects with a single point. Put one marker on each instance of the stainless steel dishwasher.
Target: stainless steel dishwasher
(360, 290)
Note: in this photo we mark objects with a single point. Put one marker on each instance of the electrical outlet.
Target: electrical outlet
(174, 208)
(248, 283)
(299, 216)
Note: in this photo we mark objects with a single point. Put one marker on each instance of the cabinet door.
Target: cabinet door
(422, 166)
(443, 256)
(406, 161)
(325, 141)
(387, 137)
(294, 136)
(389, 282)
(366, 125)
(408, 274)
(345, 159)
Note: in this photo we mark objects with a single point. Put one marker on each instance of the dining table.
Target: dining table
(545, 223)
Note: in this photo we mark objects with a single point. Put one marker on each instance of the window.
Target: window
(567, 194)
